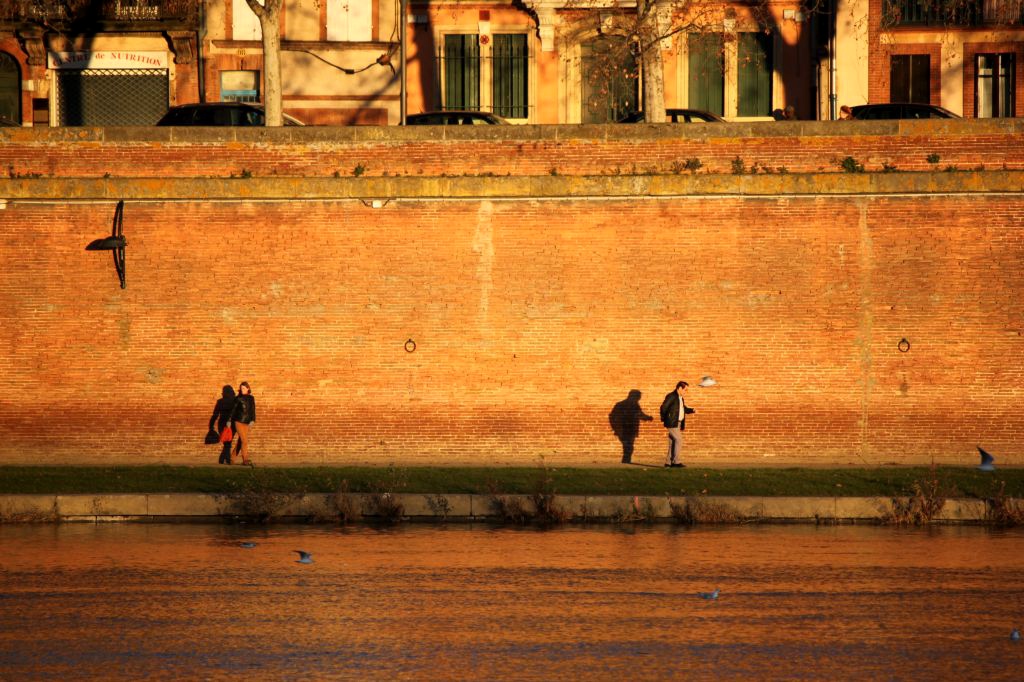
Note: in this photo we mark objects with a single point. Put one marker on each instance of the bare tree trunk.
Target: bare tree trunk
(652, 63)
(269, 14)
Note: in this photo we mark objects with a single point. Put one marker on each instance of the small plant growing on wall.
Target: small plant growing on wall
(851, 165)
(933, 158)
(358, 170)
(738, 166)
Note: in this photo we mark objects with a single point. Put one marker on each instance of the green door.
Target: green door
(610, 80)
(462, 71)
(754, 57)
(707, 72)
(509, 82)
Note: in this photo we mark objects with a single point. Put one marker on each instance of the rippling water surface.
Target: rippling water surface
(430, 602)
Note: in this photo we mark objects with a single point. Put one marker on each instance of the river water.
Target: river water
(162, 601)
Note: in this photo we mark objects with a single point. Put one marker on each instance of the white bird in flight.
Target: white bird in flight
(304, 557)
(708, 595)
(707, 381)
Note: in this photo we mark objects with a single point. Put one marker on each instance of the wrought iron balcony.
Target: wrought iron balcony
(62, 13)
(952, 13)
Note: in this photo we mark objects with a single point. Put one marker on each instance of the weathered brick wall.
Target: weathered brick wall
(531, 317)
(467, 151)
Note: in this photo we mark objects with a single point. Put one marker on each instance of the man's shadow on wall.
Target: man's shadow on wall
(625, 420)
(219, 419)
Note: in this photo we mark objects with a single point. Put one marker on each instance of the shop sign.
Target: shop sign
(107, 59)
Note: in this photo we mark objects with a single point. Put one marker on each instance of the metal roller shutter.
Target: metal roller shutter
(111, 97)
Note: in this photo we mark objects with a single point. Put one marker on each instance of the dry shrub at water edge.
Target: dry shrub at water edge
(926, 500)
(257, 498)
(696, 510)
(1004, 511)
(438, 505)
(544, 497)
(508, 508)
(382, 502)
(636, 512)
(345, 505)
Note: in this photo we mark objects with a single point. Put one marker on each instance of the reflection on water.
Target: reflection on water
(187, 601)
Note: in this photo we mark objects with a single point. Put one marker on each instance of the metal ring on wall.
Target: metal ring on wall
(410, 346)
(903, 345)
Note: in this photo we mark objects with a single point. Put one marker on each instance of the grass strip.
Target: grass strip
(775, 482)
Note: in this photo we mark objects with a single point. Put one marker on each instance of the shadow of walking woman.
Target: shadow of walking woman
(219, 419)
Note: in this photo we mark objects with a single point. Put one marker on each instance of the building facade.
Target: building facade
(576, 61)
(964, 55)
(122, 62)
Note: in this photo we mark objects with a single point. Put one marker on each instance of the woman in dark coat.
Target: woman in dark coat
(242, 415)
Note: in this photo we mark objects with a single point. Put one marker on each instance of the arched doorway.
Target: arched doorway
(10, 88)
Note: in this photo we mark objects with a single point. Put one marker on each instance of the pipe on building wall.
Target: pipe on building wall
(402, 4)
(200, 35)
(832, 42)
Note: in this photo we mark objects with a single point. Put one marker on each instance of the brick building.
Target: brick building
(964, 55)
(536, 61)
(108, 62)
(539, 61)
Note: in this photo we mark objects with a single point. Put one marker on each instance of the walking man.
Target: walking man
(673, 416)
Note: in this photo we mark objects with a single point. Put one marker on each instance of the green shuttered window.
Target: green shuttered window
(509, 80)
(754, 61)
(462, 71)
(707, 72)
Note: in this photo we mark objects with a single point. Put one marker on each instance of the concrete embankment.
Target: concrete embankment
(206, 507)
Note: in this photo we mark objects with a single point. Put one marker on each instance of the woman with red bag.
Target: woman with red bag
(242, 415)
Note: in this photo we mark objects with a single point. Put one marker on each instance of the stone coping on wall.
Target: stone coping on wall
(199, 506)
(384, 189)
(525, 133)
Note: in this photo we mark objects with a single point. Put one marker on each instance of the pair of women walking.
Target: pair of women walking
(237, 412)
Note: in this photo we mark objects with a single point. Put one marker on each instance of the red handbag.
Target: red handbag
(226, 435)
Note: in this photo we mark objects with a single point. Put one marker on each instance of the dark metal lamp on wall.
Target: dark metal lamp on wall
(115, 242)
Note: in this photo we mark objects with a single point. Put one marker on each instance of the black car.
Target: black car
(220, 114)
(678, 116)
(898, 110)
(455, 118)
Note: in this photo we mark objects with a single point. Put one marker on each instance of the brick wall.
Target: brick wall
(531, 317)
(461, 151)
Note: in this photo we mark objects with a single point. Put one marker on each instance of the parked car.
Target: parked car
(678, 116)
(220, 114)
(899, 110)
(454, 118)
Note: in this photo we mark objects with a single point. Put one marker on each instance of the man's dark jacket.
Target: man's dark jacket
(670, 411)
